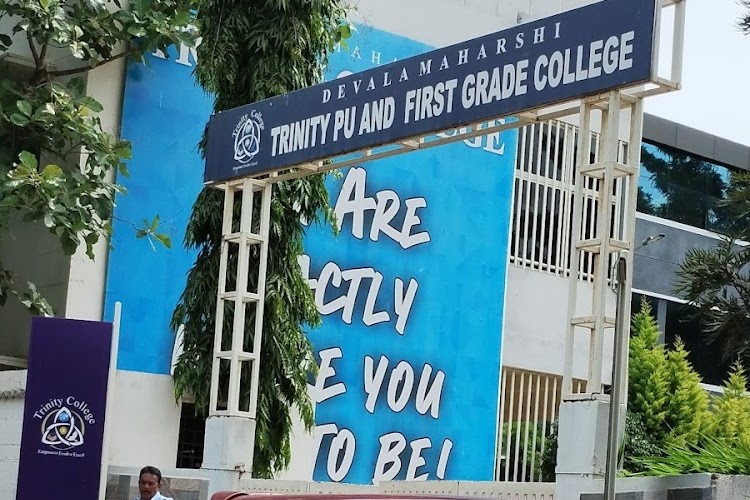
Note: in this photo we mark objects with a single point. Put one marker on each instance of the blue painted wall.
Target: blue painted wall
(454, 263)
(428, 307)
(164, 113)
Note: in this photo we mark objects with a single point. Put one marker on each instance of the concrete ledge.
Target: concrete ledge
(484, 489)
(686, 481)
(731, 487)
(13, 384)
(685, 487)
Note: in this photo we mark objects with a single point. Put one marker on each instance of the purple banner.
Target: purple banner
(63, 418)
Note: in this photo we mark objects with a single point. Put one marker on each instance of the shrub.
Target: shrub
(549, 455)
(638, 443)
(687, 406)
(648, 378)
(730, 419)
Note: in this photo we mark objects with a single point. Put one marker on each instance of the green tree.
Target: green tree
(731, 412)
(648, 378)
(744, 22)
(716, 280)
(688, 402)
(249, 53)
(56, 161)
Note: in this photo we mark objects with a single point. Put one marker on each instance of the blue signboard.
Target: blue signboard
(63, 417)
(411, 292)
(587, 50)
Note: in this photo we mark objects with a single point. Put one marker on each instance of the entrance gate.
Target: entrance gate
(597, 63)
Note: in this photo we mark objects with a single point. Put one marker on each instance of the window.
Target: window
(541, 226)
(705, 358)
(684, 188)
(190, 440)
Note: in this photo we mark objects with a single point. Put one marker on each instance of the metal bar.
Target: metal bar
(544, 245)
(518, 428)
(621, 329)
(528, 190)
(520, 181)
(535, 243)
(544, 419)
(238, 324)
(589, 211)
(555, 406)
(566, 198)
(609, 141)
(510, 420)
(536, 425)
(553, 201)
(526, 427)
(499, 454)
(219, 323)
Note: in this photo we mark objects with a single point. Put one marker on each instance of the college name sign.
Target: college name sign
(576, 53)
(63, 417)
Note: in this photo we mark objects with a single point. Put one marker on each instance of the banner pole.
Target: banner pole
(109, 403)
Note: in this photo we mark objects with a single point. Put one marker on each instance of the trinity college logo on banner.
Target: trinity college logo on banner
(63, 429)
(247, 139)
(64, 423)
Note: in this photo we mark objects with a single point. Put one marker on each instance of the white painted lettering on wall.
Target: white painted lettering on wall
(381, 217)
(386, 205)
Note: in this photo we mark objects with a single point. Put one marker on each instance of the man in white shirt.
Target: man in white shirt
(149, 482)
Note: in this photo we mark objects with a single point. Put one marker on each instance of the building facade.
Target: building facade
(467, 304)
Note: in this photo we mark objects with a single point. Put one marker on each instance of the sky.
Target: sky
(715, 96)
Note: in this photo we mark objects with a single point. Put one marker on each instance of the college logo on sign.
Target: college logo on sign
(63, 429)
(247, 135)
(64, 424)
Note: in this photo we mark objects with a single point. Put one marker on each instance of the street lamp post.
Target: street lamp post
(618, 394)
(619, 378)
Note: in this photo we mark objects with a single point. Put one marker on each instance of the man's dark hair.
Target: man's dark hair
(150, 469)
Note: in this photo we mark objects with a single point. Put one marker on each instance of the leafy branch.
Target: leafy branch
(57, 162)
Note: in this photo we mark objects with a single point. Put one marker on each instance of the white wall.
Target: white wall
(85, 298)
(536, 315)
(12, 386)
(145, 420)
(304, 451)
(445, 22)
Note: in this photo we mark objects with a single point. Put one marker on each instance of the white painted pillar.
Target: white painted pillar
(230, 426)
(584, 418)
